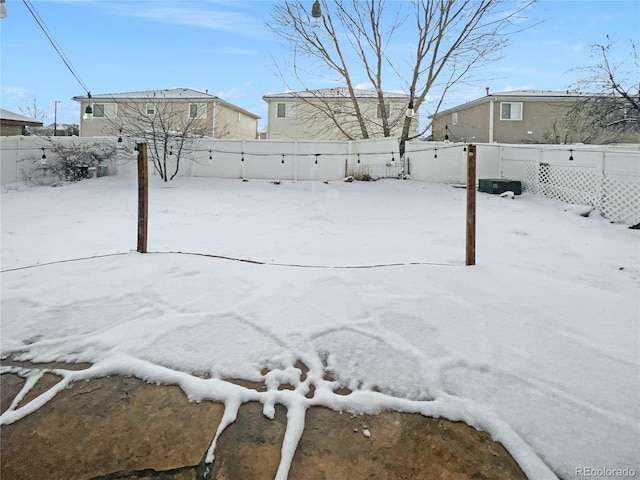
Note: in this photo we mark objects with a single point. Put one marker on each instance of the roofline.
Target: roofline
(318, 94)
(28, 123)
(534, 95)
(146, 95)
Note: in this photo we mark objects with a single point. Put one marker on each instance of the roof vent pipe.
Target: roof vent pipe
(487, 89)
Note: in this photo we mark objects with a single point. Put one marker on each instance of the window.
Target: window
(510, 110)
(387, 110)
(198, 110)
(454, 118)
(105, 110)
(150, 109)
(337, 109)
(282, 110)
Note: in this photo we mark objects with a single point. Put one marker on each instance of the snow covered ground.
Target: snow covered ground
(538, 344)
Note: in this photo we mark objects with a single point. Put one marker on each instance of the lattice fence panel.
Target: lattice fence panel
(617, 199)
(621, 200)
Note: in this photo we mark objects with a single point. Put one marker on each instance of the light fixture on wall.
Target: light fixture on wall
(88, 112)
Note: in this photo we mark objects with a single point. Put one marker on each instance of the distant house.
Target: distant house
(329, 114)
(15, 124)
(207, 114)
(521, 116)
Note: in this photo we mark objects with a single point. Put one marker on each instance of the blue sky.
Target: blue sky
(225, 47)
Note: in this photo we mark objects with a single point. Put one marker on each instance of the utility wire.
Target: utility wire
(54, 43)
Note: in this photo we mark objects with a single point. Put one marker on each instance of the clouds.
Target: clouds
(16, 93)
(222, 16)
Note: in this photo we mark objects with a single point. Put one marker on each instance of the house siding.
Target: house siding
(304, 121)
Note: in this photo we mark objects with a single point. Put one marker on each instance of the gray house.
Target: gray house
(521, 116)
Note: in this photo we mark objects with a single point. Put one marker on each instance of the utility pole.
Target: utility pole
(55, 118)
(471, 205)
(143, 197)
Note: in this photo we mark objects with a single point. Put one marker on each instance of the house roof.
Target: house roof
(523, 95)
(167, 94)
(11, 118)
(338, 92)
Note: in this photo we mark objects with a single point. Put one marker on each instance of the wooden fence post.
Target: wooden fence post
(471, 205)
(143, 197)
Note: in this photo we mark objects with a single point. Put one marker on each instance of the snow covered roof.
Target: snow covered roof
(338, 92)
(167, 93)
(8, 117)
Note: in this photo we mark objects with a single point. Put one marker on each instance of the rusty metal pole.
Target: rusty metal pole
(143, 197)
(471, 205)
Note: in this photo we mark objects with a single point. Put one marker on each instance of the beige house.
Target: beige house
(523, 116)
(329, 114)
(202, 113)
(15, 124)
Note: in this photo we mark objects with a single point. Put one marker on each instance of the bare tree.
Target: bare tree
(353, 38)
(33, 111)
(170, 133)
(610, 111)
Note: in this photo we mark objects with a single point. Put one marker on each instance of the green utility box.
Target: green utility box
(102, 171)
(499, 185)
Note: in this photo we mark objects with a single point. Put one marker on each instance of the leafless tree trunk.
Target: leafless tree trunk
(449, 39)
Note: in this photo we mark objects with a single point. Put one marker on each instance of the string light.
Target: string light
(282, 161)
(446, 134)
(358, 158)
(393, 158)
(571, 154)
(44, 157)
(435, 154)
(242, 159)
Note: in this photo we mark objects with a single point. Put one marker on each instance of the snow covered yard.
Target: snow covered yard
(538, 344)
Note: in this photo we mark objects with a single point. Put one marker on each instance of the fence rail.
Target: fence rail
(605, 177)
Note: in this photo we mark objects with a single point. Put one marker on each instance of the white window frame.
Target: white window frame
(515, 114)
(201, 111)
(109, 110)
(150, 109)
(454, 118)
(284, 110)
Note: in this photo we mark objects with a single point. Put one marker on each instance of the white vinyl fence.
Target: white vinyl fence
(605, 177)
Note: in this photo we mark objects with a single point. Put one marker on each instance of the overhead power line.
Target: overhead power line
(55, 44)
